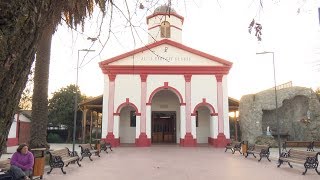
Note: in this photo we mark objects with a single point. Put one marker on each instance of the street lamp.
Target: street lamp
(276, 98)
(76, 100)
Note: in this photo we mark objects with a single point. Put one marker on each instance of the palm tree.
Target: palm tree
(79, 9)
(22, 24)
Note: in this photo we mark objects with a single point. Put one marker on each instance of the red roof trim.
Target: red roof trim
(165, 14)
(169, 42)
(183, 70)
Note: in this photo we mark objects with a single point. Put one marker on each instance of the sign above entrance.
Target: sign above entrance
(167, 59)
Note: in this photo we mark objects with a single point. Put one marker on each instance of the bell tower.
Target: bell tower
(164, 23)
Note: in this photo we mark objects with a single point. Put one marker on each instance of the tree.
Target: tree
(61, 107)
(22, 23)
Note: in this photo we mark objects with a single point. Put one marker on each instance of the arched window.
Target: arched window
(165, 29)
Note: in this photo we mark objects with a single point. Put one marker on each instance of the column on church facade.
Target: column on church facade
(148, 122)
(193, 127)
(110, 135)
(188, 139)
(116, 125)
(182, 123)
(221, 138)
(143, 140)
(138, 129)
(213, 129)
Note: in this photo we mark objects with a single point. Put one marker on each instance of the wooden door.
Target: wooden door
(163, 128)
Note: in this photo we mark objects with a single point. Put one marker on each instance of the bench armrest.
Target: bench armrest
(284, 154)
(312, 160)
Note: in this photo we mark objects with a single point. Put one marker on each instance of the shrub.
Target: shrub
(54, 138)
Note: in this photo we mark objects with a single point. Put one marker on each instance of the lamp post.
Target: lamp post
(76, 101)
(276, 98)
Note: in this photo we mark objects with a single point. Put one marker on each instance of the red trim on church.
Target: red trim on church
(160, 26)
(177, 70)
(165, 14)
(166, 87)
(208, 105)
(127, 103)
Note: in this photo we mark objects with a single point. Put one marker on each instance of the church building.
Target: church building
(165, 92)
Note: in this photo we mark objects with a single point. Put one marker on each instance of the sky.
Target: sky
(291, 29)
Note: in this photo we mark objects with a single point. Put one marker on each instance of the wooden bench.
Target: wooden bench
(308, 144)
(262, 150)
(87, 150)
(105, 146)
(234, 146)
(61, 157)
(4, 165)
(307, 158)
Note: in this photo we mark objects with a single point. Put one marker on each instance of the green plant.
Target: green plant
(54, 138)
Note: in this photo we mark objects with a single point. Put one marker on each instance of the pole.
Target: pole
(276, 99)
(76, 101)
(235, 126)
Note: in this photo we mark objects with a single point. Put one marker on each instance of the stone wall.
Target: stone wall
(257, 112)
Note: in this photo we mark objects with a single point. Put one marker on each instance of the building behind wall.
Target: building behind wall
(165, 92)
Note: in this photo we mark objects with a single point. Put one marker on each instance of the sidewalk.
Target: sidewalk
(162, 162)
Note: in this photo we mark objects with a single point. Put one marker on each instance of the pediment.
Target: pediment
(166, 53)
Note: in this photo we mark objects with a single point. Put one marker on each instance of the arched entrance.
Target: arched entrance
(127, 125)
(203, 124)
(165, 117)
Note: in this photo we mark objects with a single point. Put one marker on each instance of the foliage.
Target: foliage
(26, 97)
(54, 138)
(61, 106)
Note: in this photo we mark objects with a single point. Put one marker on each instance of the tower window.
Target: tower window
(165, 29)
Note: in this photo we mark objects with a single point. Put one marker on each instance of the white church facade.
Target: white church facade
(165, 92)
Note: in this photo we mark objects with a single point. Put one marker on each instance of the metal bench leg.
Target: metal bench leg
(305, 172)
(254, 156)
(260, 158)
(50, 170)
(317, 171)
(110, 148)
(81, 157)
(226, 150)
(63, 170)
(290, 164)
(68, 164)
(78, 163)
(90, 158)
(268, 159)
(280, 162)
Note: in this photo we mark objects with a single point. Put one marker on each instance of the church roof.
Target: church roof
(164, 9)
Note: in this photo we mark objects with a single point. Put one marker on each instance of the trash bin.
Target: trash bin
(244, 147)
(39, 161)
(97, 144)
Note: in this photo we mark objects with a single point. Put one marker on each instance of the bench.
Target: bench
(4, 170)
(61, 157)
(4, 165)
(87, 150)
(307, 158)
(262, 150)
(234, 146)
(308, 144)
(105, 146)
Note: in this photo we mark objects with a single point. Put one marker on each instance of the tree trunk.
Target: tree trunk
(40, 91)
(20, 29)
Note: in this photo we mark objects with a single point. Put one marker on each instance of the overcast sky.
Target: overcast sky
(290, 28)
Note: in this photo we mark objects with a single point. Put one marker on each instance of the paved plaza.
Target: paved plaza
(174, 162)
